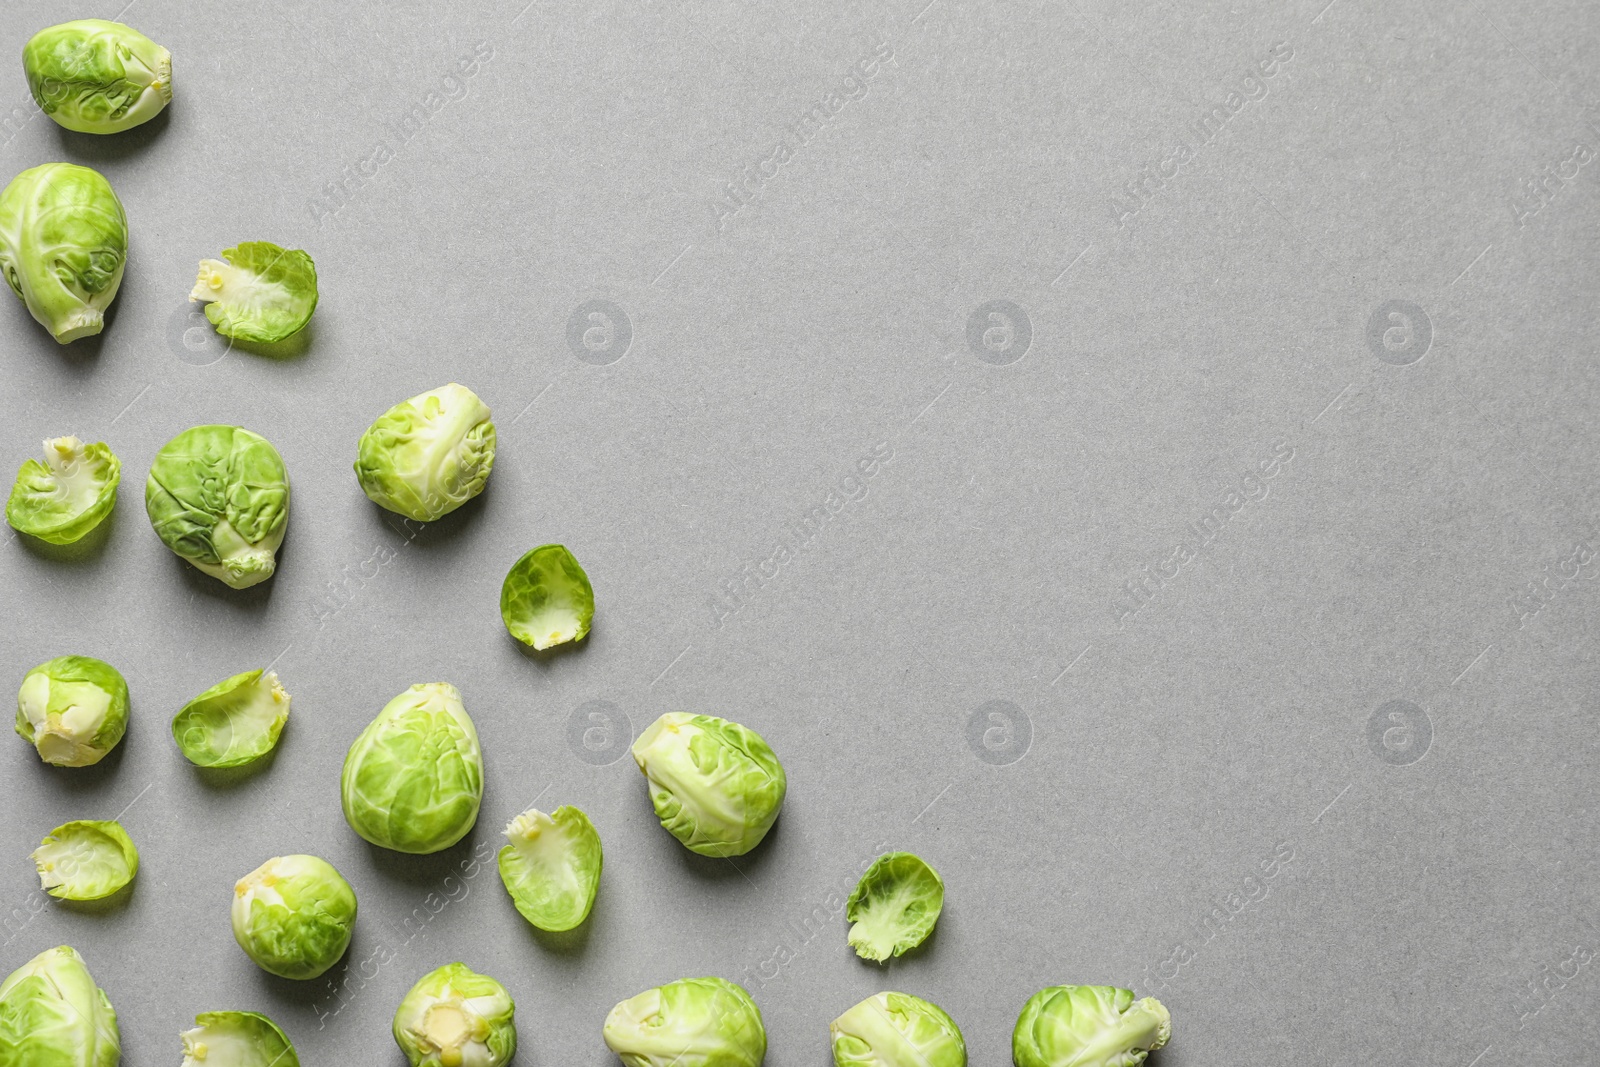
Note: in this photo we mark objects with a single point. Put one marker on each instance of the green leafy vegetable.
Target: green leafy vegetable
(455, 1017)
(237, 1039)
(894, 906)
(235, 722)
(73, 710)
(263, 293)
(66, 496)
(716, 786)
(86, 860)
(546, 599)
(551, 868)
(218, 496)
(63, 246)
(1088, 1026)
(53, 1015)
(693, 1022)
(897, 1030)
(426, 456)
(293, 915)
(95, 76)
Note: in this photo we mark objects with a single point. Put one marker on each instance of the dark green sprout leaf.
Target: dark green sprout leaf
(66, 496)
(263, 293)
(894, 906)
(551, 867)
(233, 723)
(546, 599)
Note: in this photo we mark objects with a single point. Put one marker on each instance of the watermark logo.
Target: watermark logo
(599, 732)
(599, 332)
(999, 732)
(1399, 333)
(192, 338)
(1399, 733)
(999, 332)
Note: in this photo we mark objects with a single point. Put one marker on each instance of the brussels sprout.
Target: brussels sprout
(426, 456)
(413, 780)
(236, 1039)
(53, 1015)
(897, 1030)
(86, 860)
(293, 916)
(546, 599)
(894, 906)
(693, 1022)
(455, 1017)
(63, 245)
(66, 496)
(95, 76)
(218, 496)
(1088, 1026)
(73, 709)
(234, 722)
(716, 786)
(263, 293)
(551, 868)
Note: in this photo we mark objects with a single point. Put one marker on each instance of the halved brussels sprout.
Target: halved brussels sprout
(236, 1039)
(716, 786)
(86, 860)
(1088, 1026)
(551, 868)
(234, 722)
(73, 710)
(894, 906)
(413, 780)
(218, 496)
(263, 293)
(95, 76)
(63, 246)
(66, 496)
(426, 456)
(293, 915)
(455, 1017)
(546, 599)
(897, 1030)
(693, 1022)
(53, 1015)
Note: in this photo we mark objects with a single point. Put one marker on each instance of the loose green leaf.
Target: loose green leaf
(262, 293)
(63, 246)
(546, 599)
(551, 868)
(426, 456)
(293, 915)
(894, 906)
(693, 1022)
(73, 710)
(716, 786)
(86, 860)
(66, 496)
(455, 1017)
(53, 1015)
(237, 1039)
(1088, 1026)
(235, 722)
(95, 76)
(897, 1030)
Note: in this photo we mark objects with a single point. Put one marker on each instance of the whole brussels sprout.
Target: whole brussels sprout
(716, 786)
(53, 1015)
(236, 1039)
(894, 906)
(293, 915)
(235, 722)
(897, 1030)
(68, 495)
(552, 866)
(426, 456)
(546, 599)
(693, 1022)
(455, 1017)
(95, 76)
(73, 710)
(63, 246)
(1088, 1026)
(263, 293)
(218, 496)
(86, 860)
(413, 780)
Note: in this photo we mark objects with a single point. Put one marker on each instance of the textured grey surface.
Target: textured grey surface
(1238, 724)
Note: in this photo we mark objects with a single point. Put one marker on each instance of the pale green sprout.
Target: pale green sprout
(716, 785)
(546, 599)
(293, 915)
(236, 1039)
(95, 76)
(63, 246)
(218, 496)
(894, 906)
(86, 860)
(455, 1017)
(693, 1022)
(72, 710)
(1088, 1026)
(258, 291)
(413, 780)
(426, 456)
(53, 1015)
(897, 1030)
(551, 867)
(233, 723)
(69, 494)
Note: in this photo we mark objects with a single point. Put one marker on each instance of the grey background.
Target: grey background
(1164, 759)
